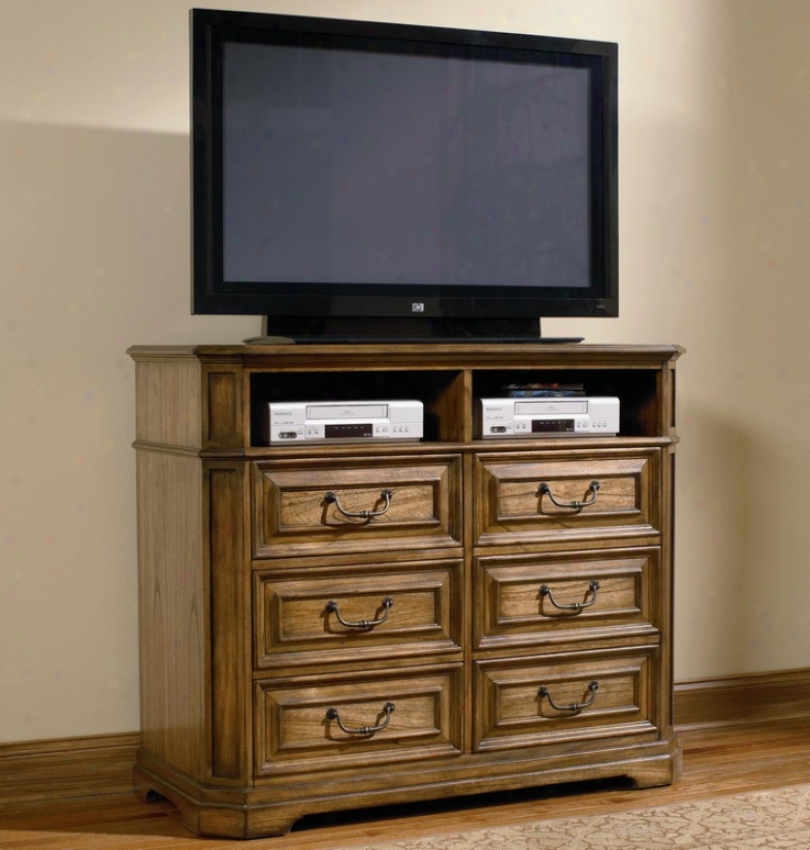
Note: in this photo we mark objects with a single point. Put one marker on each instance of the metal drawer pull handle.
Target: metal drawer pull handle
(545, 489)
(333, 714)
(593, 588)
(574, 707)
(333, 608)
(385, 494)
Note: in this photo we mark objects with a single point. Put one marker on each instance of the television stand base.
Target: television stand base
(284, 330)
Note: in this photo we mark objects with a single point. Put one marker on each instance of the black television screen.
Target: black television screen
(368, 178)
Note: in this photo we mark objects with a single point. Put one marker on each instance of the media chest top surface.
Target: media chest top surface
(471, 353)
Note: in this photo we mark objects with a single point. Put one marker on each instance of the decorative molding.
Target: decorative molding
(38, 771)
(737, 700)
(62, 768)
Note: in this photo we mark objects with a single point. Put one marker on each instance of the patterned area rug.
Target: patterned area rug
(767, 820)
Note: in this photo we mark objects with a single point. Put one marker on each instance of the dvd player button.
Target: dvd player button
(287, 435)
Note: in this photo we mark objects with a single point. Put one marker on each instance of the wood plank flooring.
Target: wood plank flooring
(716, 762)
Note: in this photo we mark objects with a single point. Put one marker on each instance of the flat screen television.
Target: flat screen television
(375, 181)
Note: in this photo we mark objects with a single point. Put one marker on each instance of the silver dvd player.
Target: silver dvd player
(351, 421)
(547, 417)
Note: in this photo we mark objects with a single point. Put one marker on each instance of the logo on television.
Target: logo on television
(417, 307)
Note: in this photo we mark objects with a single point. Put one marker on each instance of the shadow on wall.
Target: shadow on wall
(97, 222)
(94, 225)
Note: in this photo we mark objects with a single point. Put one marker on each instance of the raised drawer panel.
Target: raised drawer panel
(298, 725)
(511, 711)
(389, 614)
(356, 505)
(526, 599)
(543, 496)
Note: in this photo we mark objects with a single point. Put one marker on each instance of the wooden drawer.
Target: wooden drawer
(298, 722)
(523, 497)
(526, 599)
(615, 694)
(390, 613)
(343, 504)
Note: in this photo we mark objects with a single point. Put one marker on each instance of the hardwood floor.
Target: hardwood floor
(716, 761)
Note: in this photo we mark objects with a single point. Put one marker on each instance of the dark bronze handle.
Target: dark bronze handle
(545, 489)
(593, 587)
(332, 607)
(333, 714)
(385, 494)
(575, 706)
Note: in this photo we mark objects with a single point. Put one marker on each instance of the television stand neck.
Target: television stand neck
(392, 329)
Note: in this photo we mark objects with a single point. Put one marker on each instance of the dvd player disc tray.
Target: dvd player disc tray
(352, 421)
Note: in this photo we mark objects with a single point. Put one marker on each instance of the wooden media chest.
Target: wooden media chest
(327, 626)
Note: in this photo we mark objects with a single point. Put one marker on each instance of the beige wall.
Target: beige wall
(94, 222)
